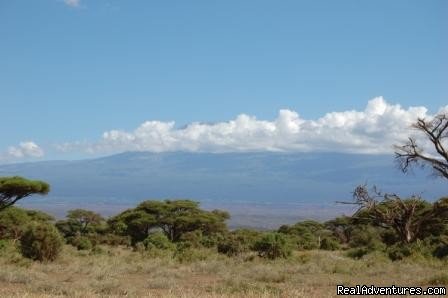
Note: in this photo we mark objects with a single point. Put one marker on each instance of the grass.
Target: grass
(121, 272)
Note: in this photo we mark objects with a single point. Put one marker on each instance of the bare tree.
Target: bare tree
(412, 154)
(407, 217)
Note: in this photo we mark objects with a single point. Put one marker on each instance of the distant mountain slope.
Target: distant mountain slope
(224, 180)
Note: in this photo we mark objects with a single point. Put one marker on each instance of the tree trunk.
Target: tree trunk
(408, 236)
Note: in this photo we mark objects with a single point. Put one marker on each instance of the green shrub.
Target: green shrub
(306, 241)
(231, 246)
(192, 239)
(247, 237)
(306, 234)
(238, 242)
(329, 244)
(398, 252)
(158, 240)
(389, 237)
(368, 237)
(210, 241)
(417, 249)
(364, 240)
(13, 221)
(41, 242)
(82, 243)
(273, 246)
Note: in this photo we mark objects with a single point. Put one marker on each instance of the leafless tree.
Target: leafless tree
(406, 216)
(412, 154)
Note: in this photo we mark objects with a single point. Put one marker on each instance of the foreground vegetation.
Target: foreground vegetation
(120, 271)
(175, 249)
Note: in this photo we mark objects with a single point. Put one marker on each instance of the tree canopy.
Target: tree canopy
(173, 217)
(79, 221)
(13, 189)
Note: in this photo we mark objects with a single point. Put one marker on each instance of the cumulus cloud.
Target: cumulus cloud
(24, 150)
(73, 3)
(373, 130)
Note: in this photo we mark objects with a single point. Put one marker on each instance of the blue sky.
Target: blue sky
(72, 71)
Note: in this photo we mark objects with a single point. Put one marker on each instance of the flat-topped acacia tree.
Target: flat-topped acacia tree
(15, 188)
(174, 217)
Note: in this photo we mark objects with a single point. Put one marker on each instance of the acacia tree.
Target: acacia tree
(79, 222)
(174, 217)
(84, 218)
(412, 154)
(13, 189)
(409, 218)
(134, 223)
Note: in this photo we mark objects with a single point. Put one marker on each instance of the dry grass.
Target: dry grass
(120, 272)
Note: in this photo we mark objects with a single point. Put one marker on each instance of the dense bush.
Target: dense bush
(41, 242)
(399, 252)
(231, 246)
(273, 246)
(14, 220)
(366, 236)
(238, 242)
(158, 240)
(418, 249)
(247, 237)
(306, 234)
(364, 239)
(210, 241)
(329, 243)
(192, 239)
(81, 242)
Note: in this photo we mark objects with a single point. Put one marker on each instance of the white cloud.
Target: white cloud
(73, 3)
(24, 150)
(373, 130)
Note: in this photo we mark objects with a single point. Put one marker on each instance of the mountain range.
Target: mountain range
(258, 189)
